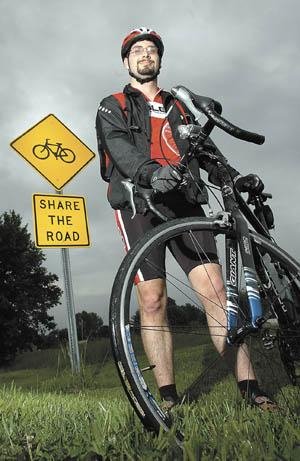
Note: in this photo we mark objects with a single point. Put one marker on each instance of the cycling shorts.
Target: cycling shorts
(182, 247)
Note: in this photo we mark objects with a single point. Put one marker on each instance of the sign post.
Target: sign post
(69, 295)
(60, 221)
(72, 330)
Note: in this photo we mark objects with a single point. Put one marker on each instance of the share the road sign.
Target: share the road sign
(60, 221)
(53, 150)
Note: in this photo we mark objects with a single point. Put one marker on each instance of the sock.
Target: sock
(168, 392)
(248, 387)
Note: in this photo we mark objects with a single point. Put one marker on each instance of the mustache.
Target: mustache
(149, 61)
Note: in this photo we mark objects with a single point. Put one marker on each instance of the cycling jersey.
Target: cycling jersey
(138, 137)
(129, 140)
(163, 147)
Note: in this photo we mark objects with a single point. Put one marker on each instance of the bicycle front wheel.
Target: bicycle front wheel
(194, 357)
(67, 155)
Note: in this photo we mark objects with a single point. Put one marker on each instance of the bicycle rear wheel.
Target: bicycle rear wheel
(194, 357)
(67, 155)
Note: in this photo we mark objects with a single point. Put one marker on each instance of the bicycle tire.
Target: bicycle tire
(142, 398)
(38, 150)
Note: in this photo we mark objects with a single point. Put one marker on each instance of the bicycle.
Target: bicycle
(43, 151)
(263, 301)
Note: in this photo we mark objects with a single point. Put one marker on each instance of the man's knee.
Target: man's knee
(208, 281)
(152, 303)
(214, 287)
(152, 298)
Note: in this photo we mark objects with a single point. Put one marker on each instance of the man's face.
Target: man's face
(143, 58)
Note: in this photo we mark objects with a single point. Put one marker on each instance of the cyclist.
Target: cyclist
(141, 142)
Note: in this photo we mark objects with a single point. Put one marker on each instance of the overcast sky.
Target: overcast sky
(63, 57)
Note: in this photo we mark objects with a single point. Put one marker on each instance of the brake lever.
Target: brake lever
(130, 188)
(146, 194)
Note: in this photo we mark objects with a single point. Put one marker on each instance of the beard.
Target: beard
(146, 71)
(147, 68)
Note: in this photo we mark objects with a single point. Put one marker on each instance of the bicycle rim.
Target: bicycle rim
(195, 359)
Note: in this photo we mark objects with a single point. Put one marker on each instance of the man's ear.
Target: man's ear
(126, 63)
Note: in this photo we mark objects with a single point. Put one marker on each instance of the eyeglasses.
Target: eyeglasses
(139, 50)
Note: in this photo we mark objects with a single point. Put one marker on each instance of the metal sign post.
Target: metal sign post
(69, 296)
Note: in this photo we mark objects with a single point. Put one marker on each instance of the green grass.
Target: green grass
(50, 414)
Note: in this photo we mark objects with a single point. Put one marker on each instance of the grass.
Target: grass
(50, 414)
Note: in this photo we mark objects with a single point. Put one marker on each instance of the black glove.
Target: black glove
(249, 183)
(165, 178)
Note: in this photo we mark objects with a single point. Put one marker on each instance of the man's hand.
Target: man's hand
(249, 183)
(165, 178)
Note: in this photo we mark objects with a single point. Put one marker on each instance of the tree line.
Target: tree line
(27, 293)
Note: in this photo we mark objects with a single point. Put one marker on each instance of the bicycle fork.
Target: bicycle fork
(236, 333)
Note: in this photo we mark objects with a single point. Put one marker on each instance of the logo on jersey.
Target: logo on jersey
(156, 109)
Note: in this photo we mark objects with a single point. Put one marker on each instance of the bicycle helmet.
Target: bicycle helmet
(143, 33)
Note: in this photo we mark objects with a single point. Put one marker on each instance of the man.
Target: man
(137, 132)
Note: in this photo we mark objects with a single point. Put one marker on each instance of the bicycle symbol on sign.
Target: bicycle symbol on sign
(43, 151)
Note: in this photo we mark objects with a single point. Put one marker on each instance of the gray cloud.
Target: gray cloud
(63, 57)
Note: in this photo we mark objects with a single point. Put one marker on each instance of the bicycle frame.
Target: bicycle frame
(56, 153)
(243, 244)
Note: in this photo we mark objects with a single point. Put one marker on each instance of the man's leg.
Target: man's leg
(152, 299)
(157, 339)
(208, 282)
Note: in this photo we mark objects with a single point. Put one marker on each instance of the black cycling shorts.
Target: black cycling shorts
(182, 247)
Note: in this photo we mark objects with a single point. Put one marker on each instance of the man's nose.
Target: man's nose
(146, 52)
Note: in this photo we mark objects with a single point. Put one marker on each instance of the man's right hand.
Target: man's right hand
(165, 178)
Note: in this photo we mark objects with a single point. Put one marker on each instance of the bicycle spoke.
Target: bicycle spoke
(197, 246)
(186, 285)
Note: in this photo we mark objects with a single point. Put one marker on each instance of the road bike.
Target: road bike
(43, 151)
(262, 286)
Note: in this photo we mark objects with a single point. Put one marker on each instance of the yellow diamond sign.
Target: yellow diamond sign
(53, 150)
(60, 221)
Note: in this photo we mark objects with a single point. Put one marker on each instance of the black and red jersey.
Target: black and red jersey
(137, 136)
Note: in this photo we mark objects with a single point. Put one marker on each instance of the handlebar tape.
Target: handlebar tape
(212, 109)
